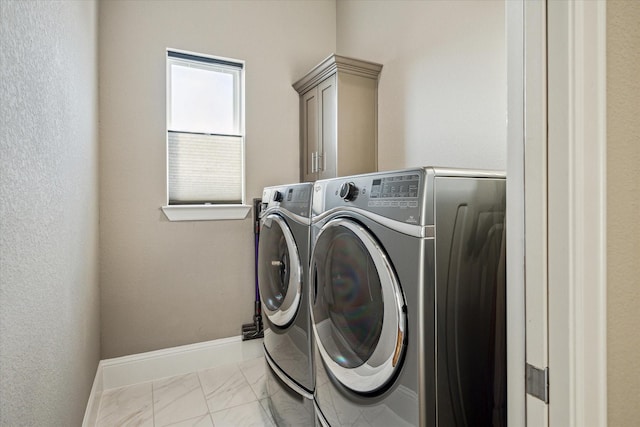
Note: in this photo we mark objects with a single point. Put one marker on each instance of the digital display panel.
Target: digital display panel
(394, 187)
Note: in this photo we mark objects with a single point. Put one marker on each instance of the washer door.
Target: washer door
(357, 307)
(279, 271)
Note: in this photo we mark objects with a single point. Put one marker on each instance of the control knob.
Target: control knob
(348, 191)
(277, 196)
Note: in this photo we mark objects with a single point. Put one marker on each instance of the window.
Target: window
(205, 131)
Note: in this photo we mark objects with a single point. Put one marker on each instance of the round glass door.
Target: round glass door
(356, 307)
(279, 271)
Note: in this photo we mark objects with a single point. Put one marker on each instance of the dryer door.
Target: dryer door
(358, 310)
(279, 271)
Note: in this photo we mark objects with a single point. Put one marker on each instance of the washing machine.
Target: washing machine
(283, 265)
(407, 299)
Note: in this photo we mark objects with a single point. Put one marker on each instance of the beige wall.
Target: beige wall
(442, 101)
(623, 213)
(49, 296)
(171, 283)
(443, 87)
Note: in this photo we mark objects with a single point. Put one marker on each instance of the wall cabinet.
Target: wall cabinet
(338, 118)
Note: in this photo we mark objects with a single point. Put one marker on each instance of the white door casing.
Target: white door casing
(556, 219)
(516, 408)
(526, 207)
(535, 199)
(577, 212)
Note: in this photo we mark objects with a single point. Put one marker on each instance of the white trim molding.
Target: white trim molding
(516, 404)
(535, 202)
(93, 404)
(577, 213)
(154, 365)
(205, 212)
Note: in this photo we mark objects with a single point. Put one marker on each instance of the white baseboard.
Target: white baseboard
(93, 405)
(154, 365)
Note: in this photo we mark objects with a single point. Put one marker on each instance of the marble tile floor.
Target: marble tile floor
(227, 395)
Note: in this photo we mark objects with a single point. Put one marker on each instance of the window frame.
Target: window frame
(206, 211)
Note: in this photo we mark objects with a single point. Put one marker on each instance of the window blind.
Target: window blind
(204, 168)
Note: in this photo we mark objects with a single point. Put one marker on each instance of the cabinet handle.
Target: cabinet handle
(314, 162)
(321, 162)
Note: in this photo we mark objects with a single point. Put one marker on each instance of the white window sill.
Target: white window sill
(205, 212)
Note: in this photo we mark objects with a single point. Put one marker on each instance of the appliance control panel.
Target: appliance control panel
(394, 195)
(295, 198)
(395, 191)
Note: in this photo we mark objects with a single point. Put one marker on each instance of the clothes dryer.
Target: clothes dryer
(283, 264)
(407, 299)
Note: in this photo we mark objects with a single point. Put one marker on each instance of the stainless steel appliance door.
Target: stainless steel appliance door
(357, 307)
(279, 271)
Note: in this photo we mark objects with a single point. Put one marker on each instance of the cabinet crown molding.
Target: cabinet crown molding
(338, 63)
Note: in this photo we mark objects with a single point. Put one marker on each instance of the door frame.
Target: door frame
(577, 212)
(556, 157)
